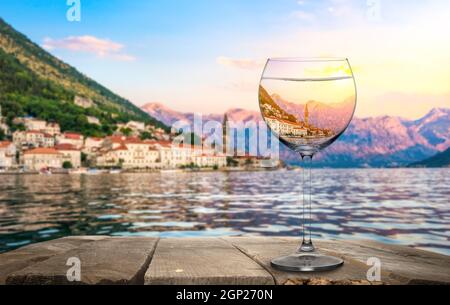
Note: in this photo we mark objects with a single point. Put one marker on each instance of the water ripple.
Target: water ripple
(401, 206)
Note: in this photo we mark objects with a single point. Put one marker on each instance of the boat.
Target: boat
(115, 171)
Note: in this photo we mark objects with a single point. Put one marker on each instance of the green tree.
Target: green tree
(84, 160)
(231, 162)
(146, 136)
(121, 162)
(126, 131)
(67, 165)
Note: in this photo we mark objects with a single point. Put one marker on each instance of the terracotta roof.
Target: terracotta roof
(72, 136)
(95, 139)
(166, 144)
(116, 139)
(34, 132)
(120, 148)
(65, 146)
(5, 144)
(42, 151)
(134, 141)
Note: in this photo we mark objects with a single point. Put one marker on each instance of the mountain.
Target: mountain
(369, 142)
(378, 142)
(33, 82)
(270, 107)
(331, 115)
(169, 116)
(439, 160)
(434, 127)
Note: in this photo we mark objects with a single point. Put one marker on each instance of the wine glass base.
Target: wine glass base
(307, 263)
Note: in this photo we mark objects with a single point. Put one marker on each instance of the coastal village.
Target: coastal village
(43, 148)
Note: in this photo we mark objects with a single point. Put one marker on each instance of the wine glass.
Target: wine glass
(307, 103)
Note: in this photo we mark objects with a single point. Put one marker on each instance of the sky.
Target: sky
(207, 56)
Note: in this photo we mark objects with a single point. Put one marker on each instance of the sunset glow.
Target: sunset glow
(196, 56)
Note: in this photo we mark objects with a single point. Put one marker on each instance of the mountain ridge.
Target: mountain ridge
(382, 141)
(440, 160)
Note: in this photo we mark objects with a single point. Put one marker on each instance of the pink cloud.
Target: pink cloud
(89, 44)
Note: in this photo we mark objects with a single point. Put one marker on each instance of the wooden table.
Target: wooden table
(203, 261)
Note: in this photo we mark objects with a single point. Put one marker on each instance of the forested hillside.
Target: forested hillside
(33, 82)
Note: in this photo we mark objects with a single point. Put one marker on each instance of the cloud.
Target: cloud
(242, 64)
(89, 44)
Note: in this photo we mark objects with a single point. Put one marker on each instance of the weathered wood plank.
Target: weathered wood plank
(406, 265)
(19, 259)
(203, 261)
(108, 261)
(264, 249)
(228, 260)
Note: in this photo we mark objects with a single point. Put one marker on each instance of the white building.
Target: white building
(42, 158)
(72, 138)
(32, 124)
(92, 144)
(32, 138)
(130, 154)
(286, 128)
(52, 129)
(112, 142)
(35, 124)
(7, 154)
(70, 154)
(173, 156)
(210, 160)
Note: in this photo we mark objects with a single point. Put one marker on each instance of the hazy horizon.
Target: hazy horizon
(257, 111)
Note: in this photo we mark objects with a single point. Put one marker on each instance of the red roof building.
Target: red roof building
(42, 151)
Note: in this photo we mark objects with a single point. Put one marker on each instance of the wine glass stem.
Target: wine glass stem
(307, 245)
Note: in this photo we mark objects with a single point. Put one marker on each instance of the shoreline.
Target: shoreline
(90, 172)
(230, 170)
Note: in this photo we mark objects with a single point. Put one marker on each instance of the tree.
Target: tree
(146, 136)
(126, 131)
(2, 134)
(232, 162)
(121, 162)
(84, 160)
(67, 165)
(249, 162)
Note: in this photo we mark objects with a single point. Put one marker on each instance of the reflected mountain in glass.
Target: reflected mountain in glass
(307, 125)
